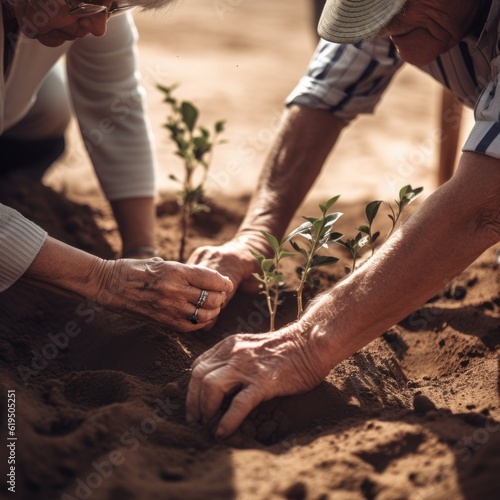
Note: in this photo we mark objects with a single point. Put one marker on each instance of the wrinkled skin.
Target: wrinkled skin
(257, 366)
(424, 29)
(166, 292)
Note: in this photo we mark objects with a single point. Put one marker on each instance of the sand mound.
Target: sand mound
(100, 398)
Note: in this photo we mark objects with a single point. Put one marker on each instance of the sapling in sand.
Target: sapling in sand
(317, 233)
(406, 195)
(271, 279)
(194, 145)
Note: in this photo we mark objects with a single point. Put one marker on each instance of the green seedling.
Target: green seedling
(317, 233)
(371, 211)
(271, 280)
(354, 246)
(366, 236)
(406, 195)
(195, 146)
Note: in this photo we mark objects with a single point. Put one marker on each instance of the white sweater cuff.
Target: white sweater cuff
(20, 242)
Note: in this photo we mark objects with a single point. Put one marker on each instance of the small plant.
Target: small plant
(366, 236)
(271, 279)
(317, 233)
(194, 145)
(406, 195)
(354, 246)
(371, 211)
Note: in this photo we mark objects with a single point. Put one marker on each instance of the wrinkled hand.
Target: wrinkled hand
(259, 367)
(162, 291)
(234, 260)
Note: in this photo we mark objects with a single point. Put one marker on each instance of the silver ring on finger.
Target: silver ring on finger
(194, 317)
(202, 299)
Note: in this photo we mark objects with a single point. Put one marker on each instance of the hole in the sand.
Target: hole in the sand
(95, 389)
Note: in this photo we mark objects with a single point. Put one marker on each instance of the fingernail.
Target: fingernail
(189, 418)
(220, 433)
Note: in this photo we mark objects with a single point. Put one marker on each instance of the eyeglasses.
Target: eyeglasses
(84, 9)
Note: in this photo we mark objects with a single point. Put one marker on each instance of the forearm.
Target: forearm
(136, 219)
(66, 270)
(451, 229)
(304, 140)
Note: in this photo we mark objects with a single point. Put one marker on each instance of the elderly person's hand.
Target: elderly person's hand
(183, 297)
(180, 296)
(234, 260)
(257, 366)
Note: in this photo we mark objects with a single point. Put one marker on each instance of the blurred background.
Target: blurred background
(237, 60)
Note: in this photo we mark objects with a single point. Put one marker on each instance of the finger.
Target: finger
(210, 279)
(241, 405)
(213, 300)
(193, 396)
(216, 385)
(199, 370)
(204, 315)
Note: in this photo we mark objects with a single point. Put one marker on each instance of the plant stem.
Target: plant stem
(185, 216)
(300, 309)
(270, 306)
(303, 279)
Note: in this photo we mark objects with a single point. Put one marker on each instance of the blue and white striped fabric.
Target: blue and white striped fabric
(349, 80)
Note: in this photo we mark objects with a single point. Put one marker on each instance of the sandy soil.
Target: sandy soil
(100, 398)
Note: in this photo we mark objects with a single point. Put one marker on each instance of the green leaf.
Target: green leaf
(172, 177)
(295, 246)
(375, 236)
(323, 260)
(318, 227)
(305, 227)
(219, 126)
(189, 115)
(403, 191)
(257, 255)
(300, 250)
(364, 229)
(311, 220)
(411, 194)
(201, 147)
(324, 208)
(330, 219)
(346, 244)
(268, 265)
(371, 211)
(335, 236)
(272, 241)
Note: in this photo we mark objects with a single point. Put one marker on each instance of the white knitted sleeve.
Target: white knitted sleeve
(20, 242)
